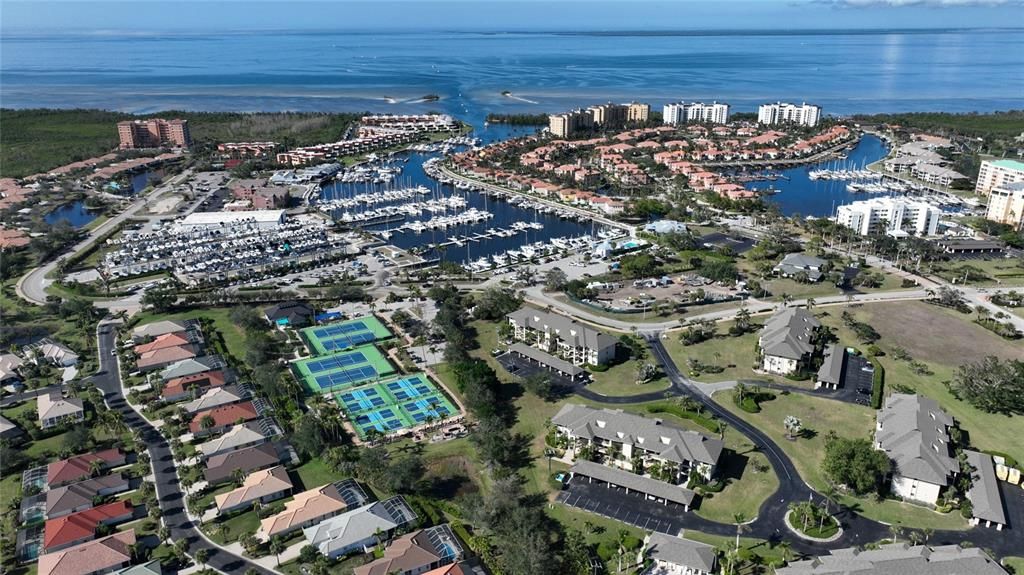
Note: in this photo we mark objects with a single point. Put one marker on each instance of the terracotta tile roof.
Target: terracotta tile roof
(83, 524)
(306, 506)
(77, 467)
(226, 415)
(173, 339)
(202, 381)
(166, 355)
(90, 557)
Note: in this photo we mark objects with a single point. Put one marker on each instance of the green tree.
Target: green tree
(855, 463)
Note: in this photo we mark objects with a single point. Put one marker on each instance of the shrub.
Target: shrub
(877, 385)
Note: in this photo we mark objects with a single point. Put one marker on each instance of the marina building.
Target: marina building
(914, 432)
(785, 113)
(619, 438)
(154, 133)
(1006, 204)
(259, 218)
(695, 112)
(556, 334)
(893, 216)
(996, 173)
(787, 341)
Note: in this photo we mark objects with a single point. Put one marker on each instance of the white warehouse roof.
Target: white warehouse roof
(259, 217)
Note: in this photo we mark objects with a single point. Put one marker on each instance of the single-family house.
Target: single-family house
(238, 437)
(221, 468)
(81, 467)
(304, 510)
(54, 409)
(191, 386)
(356, 530)
(264, 486)
(91, 558)
(79, 496)
(415, 553)
(219, 418)
(80, 527)
(218, 397)
(800, 265)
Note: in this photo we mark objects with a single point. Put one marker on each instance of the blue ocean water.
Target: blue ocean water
(845, 72)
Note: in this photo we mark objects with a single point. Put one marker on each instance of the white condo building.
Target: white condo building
(784, 112)
(901, 217)
(683, 113)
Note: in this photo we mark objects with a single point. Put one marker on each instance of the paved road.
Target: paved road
(169, 493)
(32, 286)
(19, 397)
(857, 530)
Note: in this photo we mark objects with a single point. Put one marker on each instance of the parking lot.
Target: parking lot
(720, 240)
(632, 508)
(524, 368)
(858, 379)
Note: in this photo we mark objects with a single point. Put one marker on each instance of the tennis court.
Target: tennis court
(343, 370)
(344, 335)
(392, 405)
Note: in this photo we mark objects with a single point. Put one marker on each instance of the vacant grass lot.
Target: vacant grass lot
(234, 338)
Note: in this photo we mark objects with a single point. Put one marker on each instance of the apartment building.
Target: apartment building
(621, 437)
(1006, 204)
(893, 216)
(567, 124)
(695, 112)
(559, 335)
(787, 341)
(786, 113)
(154, 133)
(637, 112)
(895, 559)
(996, 173)
(608, 115)
(914, 433)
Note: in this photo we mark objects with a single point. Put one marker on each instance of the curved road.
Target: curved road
(857, 530)
(169, 493)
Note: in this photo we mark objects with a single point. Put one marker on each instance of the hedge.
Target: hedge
(877, 385)
(701, 420)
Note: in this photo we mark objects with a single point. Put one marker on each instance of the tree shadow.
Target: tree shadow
(807, 433)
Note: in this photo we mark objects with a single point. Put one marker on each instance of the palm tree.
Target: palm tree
(201, 555)
(787, 548)
(927, 532)
(786, 299)
(896, 531)
(163, 534)
(95, 467)
(810, 303)
(741, 527)
(829, 496)
(277, 547)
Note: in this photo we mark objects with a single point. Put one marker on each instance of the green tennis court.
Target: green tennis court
(395, 404)
(345, 334)
(343, 370)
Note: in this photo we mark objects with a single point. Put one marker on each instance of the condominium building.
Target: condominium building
(788, 341)
(996, 173)
(608, 115)
(914, 432)
(638, 112)
(683, 113)
(1006, 204)
(556, 334)
(621, 439)
(893, 216)
(154, 133)
(565, 125)
(897, 558)
(786, 113)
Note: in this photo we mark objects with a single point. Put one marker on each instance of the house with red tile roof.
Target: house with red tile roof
(90, 558)
(178, 389)
(79, 467)
(223, 417)
(163, 357)
(166, 340)
(81, 527)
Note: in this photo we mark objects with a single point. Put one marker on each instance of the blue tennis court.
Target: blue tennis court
(332, 330)
(408, 388)
(346, 341)
(345, 377)
(336, 361)
(361, 400)
(382, 420)
(434, 407)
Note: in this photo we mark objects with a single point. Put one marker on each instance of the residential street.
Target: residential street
(172, 503)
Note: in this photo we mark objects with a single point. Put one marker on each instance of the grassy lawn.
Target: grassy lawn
(1015, 563)
(759, 546)
(206, 499)
(620, 380)
(238, 525)
(736, 355)
(234, 337)
(900, 325)
(994, 271)
(315, 473)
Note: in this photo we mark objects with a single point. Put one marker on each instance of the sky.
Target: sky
(156, 16)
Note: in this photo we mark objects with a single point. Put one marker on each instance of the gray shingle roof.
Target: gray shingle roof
(547, 359)
(667, 441)
(679, 551)
(789, 333)
(353, 526)
(898, 559)
(666, 491)
(569, 331)
(192, 366)
(831, 370)
(914, 434)
(986, 501)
